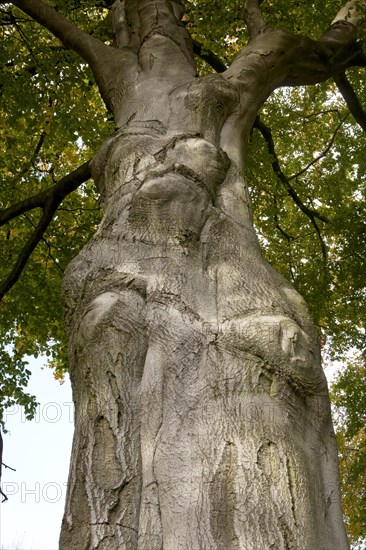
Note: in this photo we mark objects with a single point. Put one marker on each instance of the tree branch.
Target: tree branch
(208, 56)
(287, 236)
(49, 200)
(1, 463)
(107, 63)
(354, 12)
(322, 247)
(339, 42)
(33, 158)
(15, 210)
(267, 134)
(350, 97)
(71, 36)
(5, 498)
(322, 154)
(57, 192)
(253, 17)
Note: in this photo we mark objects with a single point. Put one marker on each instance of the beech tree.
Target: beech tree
(202, 415)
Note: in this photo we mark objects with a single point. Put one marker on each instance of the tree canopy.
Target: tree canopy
(306, 168)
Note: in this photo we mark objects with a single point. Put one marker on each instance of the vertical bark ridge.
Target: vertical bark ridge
(106, 417)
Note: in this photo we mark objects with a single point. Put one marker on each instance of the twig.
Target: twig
(8, 467)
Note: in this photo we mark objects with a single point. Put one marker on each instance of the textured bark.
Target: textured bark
(202, 413)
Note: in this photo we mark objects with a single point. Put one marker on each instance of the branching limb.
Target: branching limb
(55, 193)
(253, 17)
(107, 63)
(71, 36)
(267, 134)
(296, 60)
(48, 200)
(339, 42)
(350, 97)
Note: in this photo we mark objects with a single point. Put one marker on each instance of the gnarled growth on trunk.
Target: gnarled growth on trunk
(202, 413)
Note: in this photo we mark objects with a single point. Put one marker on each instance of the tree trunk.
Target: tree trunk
(202, 413)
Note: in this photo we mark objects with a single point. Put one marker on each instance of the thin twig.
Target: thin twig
(44, 240)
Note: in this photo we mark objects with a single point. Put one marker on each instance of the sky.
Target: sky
(39, 450)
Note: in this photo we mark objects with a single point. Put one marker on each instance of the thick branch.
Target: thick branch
(107, 63)
(339, 42)
(350, 97)
(267, 134)
(335, 51)
(287, 59)
(253, 17)
(48, 200)
(354, 11)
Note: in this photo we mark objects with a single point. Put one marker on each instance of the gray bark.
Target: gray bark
(202, 412)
